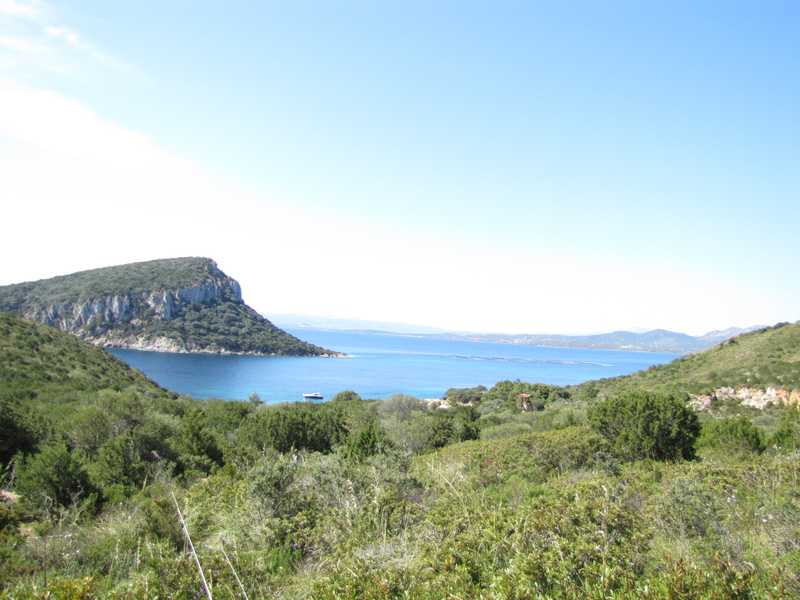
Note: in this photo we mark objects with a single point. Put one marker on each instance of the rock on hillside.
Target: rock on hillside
(173, 305)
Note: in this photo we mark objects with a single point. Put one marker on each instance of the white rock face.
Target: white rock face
(755, 397)
(81, 318)
(71, 316)
(155, 344)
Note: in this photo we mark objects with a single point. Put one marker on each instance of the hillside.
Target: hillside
(38, 358)
(175, 305)
(768, 357)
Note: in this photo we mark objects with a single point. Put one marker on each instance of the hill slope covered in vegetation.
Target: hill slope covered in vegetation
(177, 305)
(768, 357)
(38, 358)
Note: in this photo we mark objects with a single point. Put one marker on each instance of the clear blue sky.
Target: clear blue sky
(564, 166)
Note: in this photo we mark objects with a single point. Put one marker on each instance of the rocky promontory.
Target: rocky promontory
(170, 305)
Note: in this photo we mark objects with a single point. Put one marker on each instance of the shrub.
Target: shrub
(269, 484)
(51, 479)
(732, 433)
(640, 424)
(345, 396)
(19, 435)
(786, 437)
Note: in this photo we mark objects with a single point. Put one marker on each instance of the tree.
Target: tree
(345, 396)
(640, 424)
(118, 463)
(466, 422)
(53, 478)
(226, 416)
(196, 444)
(442, 431)
(365, 443)
(402, 406)
(17, 433)
(302, 426)
(465, 395)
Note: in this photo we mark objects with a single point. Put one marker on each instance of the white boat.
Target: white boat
(314, 396)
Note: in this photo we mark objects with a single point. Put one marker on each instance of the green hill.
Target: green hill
(38, 358)
(768, 357)
(177, 305)
(135, 278)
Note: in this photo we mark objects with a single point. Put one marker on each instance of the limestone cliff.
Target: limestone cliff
(173, 305)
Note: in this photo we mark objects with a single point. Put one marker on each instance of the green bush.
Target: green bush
(52, 479)
(118, 466)
(19, 433)
(732, 434)
(641, 424)
(786, 437)
(346, 396)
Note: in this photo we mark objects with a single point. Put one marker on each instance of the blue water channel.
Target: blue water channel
(378, 366)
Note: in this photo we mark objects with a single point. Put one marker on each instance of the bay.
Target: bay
(378, 366)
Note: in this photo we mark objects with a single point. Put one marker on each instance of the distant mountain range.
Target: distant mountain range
(636, 340)
(657, 340)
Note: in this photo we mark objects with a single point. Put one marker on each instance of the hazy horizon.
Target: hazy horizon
(498, 166)
(328, 321)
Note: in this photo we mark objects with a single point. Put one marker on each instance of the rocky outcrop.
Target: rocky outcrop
(85, 319)
(753, 397)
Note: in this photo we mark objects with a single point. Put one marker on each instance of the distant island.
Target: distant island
(170, 305)
(656, 340)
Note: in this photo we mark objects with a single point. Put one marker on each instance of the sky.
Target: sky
(569, 166)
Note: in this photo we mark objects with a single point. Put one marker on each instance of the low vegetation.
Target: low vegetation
(108, 487)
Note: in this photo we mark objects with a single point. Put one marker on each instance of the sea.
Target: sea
(378, 366)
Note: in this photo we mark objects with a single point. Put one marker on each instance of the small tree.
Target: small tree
(786, 438)
(17, 434)
(443, 431)
(345, 396)
(365, 444)
(640, 424)
(196, 444)
(118, 463)
(51, 479)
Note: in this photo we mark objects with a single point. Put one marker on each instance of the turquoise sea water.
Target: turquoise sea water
(379, 366)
